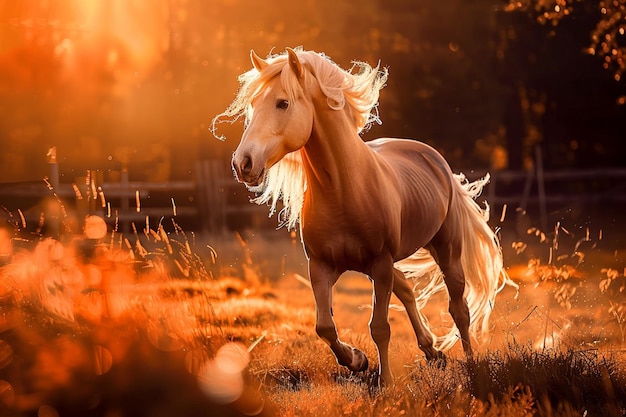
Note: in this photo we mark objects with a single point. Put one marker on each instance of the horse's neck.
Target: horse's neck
(335, 157)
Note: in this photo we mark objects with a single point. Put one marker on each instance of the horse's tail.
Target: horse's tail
(481, 260)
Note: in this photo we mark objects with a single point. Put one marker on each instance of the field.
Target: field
(164, 322)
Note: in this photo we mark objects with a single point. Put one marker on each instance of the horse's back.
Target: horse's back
(389, 146)
(416, 163)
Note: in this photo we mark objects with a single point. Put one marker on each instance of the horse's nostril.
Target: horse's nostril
(246, 165)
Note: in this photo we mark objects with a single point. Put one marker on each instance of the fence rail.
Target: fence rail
(207, 202)
(589, 185)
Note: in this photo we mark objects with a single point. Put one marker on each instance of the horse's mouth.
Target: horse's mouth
(255, 181)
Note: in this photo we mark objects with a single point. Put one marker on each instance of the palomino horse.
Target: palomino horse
(384, 208)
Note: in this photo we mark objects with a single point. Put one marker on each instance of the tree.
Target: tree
(608, 37)
(568, 102)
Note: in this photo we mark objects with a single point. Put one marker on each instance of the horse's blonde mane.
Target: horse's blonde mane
(354, 91)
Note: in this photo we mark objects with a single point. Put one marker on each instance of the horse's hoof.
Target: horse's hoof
(377, 384)
(439, 361)
(359, 361)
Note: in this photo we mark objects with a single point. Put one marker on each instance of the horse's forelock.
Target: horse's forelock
(253, 82)
(291, 83)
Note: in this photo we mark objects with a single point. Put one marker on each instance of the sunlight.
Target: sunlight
(134, 30)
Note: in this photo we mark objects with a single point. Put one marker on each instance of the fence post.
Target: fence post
(202, 190)
(53, 166)
(541, 189)
(209, 177)
(124, 205)
(55, 218)
(528, 183)
(219, 197)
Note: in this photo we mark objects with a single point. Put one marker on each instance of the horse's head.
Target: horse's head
(281, 120)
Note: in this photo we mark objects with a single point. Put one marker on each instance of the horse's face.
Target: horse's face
(278, 126)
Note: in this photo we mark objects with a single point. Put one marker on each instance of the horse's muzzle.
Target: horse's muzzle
(245, 172)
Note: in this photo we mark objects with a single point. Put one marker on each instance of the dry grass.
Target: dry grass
(506, 378)
(120, 326)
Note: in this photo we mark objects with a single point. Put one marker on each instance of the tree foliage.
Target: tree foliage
(608, 37)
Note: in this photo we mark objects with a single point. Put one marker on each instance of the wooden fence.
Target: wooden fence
(213, 201)
(543, 190)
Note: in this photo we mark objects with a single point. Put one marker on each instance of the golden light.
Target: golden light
(95, 227)
(221, 379)
(87, 34)
(232, 358)
(221, 387)
(6, 245)
(77, 66)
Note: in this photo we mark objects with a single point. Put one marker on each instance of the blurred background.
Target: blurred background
(134, 84)
(105, 108)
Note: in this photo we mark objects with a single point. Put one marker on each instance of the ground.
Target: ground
(165, 321)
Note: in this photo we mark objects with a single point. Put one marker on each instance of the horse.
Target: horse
(388, 208)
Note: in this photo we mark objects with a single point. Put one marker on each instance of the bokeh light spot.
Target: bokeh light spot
(221, 379)
(47, 411)
(232, 358)
(103, 360)
(95, 227)
(195, 360)
(221, 387)
(6, 354)
(7, 394)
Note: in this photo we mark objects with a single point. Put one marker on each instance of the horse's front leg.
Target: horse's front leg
(382, 277)
(322, 280)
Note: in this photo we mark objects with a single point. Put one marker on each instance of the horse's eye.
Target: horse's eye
(282, 104)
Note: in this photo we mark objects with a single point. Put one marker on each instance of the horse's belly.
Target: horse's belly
(346, 245)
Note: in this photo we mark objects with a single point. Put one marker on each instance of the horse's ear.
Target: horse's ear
(294, 63)
(257, 61)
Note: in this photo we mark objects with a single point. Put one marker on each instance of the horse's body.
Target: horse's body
(369, 207)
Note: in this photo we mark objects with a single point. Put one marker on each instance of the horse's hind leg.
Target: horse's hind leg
(402, 289)
(447, 248)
